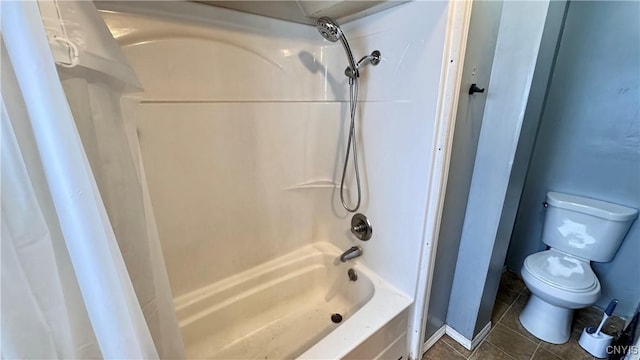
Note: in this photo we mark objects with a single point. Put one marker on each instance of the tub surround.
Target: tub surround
(243, 135)
(282, 136)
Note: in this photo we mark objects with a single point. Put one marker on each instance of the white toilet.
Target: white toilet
(578, 230)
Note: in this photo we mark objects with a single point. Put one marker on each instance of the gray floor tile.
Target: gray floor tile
(499, 308)
(570, 350)
(488, 351)
(512, 281)
(512, 321)
(512, 343)
(456, 346)
(441, 351)
(542, 354)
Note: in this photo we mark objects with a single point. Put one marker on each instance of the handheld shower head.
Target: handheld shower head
(330, 30)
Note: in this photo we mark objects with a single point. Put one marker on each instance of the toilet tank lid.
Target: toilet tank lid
(599, 208)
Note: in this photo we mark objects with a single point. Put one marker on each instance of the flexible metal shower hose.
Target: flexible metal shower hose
(353, 104)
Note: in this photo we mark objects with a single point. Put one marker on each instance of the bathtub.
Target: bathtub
(283, 309)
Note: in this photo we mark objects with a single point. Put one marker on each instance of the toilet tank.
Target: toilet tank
(584, 227)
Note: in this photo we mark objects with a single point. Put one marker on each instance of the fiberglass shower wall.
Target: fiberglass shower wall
(397, 112)
(224, 128)
(243, 131)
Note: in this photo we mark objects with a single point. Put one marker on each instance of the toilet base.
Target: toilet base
(547, 322)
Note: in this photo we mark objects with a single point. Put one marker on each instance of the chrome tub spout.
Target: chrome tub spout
(351, 253)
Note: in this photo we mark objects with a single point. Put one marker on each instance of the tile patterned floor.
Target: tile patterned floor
(508, 340)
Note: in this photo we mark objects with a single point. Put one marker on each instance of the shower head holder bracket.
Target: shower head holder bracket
(373, 59)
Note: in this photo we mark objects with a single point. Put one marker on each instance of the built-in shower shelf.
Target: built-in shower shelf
(315, 184)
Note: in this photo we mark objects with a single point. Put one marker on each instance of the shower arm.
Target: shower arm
(373, 59)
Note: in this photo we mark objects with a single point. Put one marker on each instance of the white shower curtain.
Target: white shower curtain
(82, 269)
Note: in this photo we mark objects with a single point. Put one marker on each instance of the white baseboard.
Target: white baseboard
(434, 338)
(468, 344)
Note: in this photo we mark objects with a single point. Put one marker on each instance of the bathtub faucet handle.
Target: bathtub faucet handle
(361, 227)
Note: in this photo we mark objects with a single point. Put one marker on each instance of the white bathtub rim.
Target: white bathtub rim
(299, 255)
(188, 320)
(386, 304)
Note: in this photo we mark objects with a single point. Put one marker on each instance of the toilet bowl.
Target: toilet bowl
(559, 283)
(577, 230)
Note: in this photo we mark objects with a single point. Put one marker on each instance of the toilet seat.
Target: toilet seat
(559, 283)
(561, 271)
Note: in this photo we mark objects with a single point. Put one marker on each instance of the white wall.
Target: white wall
(243, 132)
(588, 142)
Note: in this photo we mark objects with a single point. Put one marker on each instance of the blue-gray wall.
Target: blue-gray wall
(481, 44)
(497, 180)
(588, 142)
